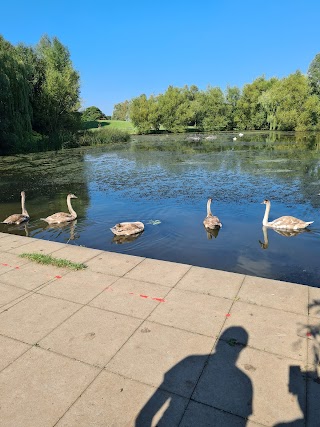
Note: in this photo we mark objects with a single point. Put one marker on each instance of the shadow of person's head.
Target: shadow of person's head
(236, 337)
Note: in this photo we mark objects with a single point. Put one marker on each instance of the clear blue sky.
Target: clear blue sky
(125, 48)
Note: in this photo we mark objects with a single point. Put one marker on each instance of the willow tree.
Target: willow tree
(314, 75)
(15, 110)
(59, 99)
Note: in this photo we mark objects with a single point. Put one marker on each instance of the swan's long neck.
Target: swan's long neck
(266, 214)
(71, 210)
(208, 208)
(23, 207)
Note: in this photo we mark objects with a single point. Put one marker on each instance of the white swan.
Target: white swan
(211, 221)
(18, 218)
(59, 217)
(127, 228)
(234, 138)
(284, 222)
(240, 134)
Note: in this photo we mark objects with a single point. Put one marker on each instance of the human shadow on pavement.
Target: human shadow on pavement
(223, 389)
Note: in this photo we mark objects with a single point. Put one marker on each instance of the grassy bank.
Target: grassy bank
(122, 125)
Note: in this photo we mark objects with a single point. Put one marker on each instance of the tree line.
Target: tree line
(39, 96)
(290, 103)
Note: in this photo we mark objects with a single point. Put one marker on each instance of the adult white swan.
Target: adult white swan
(18, 218)
(284, 222)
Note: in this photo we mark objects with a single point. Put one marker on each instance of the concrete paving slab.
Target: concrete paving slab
(91, 335)
(204, 416)
(11, 241)
(160, 272)
(9, 293)
(78, 286)
(248, 382)
(211, 282)
(37, 389)
(34, 317)
(3, 235)
(202, 314)
(314, 302)
(10, 350)
(131, 297)
(76, 253)
(270, 330)
(10, 262)
(112, 400)
(113, 263)
(275, 294)
(160, 356)
(32, 275)
(38, 246)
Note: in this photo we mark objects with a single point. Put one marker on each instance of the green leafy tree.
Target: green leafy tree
(144, 113)
(214, 109)
(314, 75)
(233, 95)
(175, 110)
(250, 112)
(285, 101)
(92, 113)
(15, 108)
(121, 111)
(59, 99)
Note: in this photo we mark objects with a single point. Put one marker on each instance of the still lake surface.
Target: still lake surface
(164, 181)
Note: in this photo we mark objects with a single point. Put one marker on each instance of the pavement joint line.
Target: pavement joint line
(306, 383)
(23, 297)
(212, 348)
(142, 322)
(30, 347)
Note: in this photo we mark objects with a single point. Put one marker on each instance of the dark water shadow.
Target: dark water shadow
(221, 385)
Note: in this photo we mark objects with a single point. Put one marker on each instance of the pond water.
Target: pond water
(164, 181)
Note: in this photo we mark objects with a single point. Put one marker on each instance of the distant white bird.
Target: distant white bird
(234, 138)
(240, 134)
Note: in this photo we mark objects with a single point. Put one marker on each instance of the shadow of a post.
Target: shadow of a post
(222, 388)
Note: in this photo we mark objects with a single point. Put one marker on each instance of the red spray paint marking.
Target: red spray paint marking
(143, 296)
(228, 315)
(309, 334)
(159, 299)
(58, 277)
(17, 268)
(8, 265)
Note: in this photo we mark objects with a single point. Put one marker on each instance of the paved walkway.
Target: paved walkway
(132, 341)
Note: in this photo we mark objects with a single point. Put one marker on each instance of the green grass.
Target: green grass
(110, 124)
(49, 260)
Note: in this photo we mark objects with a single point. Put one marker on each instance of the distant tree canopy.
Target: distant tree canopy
(121, 111)
(290, 103)
(92, 113)
(39, 95)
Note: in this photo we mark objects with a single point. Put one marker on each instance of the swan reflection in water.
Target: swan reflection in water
(62, 228)
(285, 233)
(212, 232)
(119, 240)
(22, 228)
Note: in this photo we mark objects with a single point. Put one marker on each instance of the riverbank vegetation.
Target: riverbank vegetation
(40, 104)
(290, 103)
